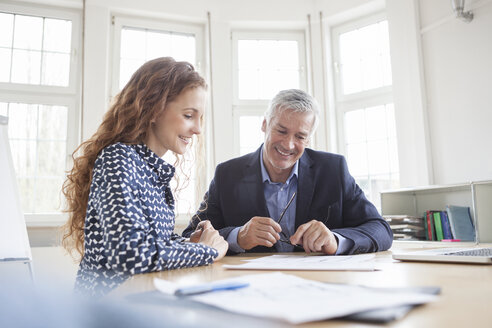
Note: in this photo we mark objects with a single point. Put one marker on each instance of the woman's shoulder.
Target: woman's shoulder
(117, 155)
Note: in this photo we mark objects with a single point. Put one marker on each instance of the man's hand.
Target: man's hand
(315, 237)
(259, 231)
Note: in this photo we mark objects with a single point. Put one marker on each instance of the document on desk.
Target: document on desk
(363, 262)
(296, 300)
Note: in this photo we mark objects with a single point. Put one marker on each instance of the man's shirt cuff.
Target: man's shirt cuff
(232, 240)
(344, 244)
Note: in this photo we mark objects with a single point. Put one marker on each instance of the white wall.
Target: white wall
(458, 77)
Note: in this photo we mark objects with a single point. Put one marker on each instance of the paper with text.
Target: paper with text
(294, 262)
(296, 300)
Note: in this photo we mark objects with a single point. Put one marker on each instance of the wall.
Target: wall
(458, 76)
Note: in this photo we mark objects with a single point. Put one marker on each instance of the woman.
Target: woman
(119, 201)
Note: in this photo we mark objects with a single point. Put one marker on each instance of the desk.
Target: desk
(466, 297)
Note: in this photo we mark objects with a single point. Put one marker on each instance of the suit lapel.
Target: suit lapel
(305, 189)
(253, 185)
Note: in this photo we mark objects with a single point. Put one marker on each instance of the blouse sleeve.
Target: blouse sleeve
(129, 244)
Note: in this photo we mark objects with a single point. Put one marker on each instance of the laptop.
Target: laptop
(481, 255)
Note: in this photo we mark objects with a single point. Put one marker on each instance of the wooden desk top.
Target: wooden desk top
(465, 300)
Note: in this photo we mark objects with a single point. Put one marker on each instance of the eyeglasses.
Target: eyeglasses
(286, 238)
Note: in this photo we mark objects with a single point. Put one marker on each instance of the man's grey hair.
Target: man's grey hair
(295, 100)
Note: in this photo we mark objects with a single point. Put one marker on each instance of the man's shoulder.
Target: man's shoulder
(240, 161)
(317, 155)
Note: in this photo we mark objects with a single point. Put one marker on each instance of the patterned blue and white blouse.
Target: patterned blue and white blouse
(130, 221)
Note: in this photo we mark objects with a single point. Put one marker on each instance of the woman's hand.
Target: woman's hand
(207, 235)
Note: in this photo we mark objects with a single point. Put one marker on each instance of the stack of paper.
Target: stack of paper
(296, 300)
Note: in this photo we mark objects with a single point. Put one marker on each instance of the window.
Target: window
(264, 64)
(364, 104)
(38, 74)
(137, 41)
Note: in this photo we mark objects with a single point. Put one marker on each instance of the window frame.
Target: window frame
(359, 100)
(121, 21)
(69, 96)
(257, 107)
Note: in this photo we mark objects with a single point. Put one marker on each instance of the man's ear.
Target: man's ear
(263, 125)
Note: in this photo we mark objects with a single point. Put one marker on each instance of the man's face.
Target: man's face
(286, 136)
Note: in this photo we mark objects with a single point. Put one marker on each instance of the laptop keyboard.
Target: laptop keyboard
(474, 252)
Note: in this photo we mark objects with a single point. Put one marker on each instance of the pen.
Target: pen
(325, 221)
(286, 207)
(211, 287)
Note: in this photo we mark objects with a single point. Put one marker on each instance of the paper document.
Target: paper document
(296, 300)
(294, 262)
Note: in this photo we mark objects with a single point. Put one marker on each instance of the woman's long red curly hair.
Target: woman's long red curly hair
(128, 119)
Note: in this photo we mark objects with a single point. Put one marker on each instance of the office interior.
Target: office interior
(438, 86)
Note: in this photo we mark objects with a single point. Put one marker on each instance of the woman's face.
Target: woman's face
(180, 120)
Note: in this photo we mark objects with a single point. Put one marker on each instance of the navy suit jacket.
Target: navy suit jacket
(236, 195)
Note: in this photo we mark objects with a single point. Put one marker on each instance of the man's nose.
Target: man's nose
(288, 142)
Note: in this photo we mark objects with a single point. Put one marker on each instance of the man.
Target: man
(329, 212)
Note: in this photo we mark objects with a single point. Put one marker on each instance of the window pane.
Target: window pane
(364, 58)
(376, 123)
(53, 122)
(248, 84)
(357, 159)
(7, 28)
(23, 121)
(56, 69)
(24, 157)
(372, 153)
(157, 43)
(127, 68)
(51, 158)
(57, 35)
(39, 52)
(26, 66)
(266, 67)
(38, 140)
(183, 48)
(378, 157)
(5, 55)
(48, 195)
(355, 126)
(247, 54)
(28, 32)
(4, 109)
(250, 134)
(141, 45)
(26, 190)
(132, 44)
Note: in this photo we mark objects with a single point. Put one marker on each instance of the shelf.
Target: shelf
(415, 201)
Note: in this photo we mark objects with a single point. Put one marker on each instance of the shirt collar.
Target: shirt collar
(164, 170)
(266, 177)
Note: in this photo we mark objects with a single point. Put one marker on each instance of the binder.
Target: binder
(461, 222)
(438, 226)
(446, 229)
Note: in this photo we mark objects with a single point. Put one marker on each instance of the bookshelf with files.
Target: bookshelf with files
(416, 201)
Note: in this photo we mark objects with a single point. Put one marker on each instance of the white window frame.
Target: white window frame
(363, 99)
(51, 95)
(119, 21)
(257, 107)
